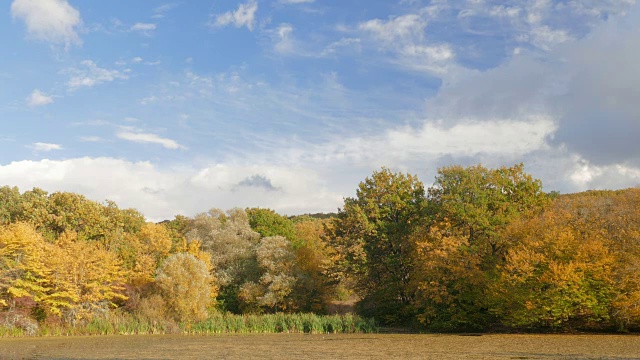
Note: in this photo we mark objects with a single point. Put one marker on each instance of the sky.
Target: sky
(178, 106)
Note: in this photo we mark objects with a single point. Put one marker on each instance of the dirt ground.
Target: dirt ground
(285, 346)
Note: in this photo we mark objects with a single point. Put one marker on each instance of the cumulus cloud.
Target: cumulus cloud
(38, 98)
(40, 146)
(161, 193)
(142, 137)
(54, 21)
(506, 138)
(90, 75)
(599, 105)
(244, 15)
(588, 86)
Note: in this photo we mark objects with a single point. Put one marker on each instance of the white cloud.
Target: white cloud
(92, 75)
(137, 59)
(245, 15)
(546, 38)
(141, 137)
(54, 21)
(586, 85)
(161, 193)
(469, 138)
(284, 43)
(40, 146)
(160, 11)
(344, 43)
(434, 59)
(38, 98)
(404, 38)
(586, 176)
(148, 100)
(403, 29)
(91, 139)
(144, 27)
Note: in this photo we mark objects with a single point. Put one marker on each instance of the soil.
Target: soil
(290, 346)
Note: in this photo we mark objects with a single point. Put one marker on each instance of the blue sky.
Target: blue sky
(179, 106)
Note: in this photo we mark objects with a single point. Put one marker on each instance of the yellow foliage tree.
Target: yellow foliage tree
(23, 272)
(558, 274)
(448, 279)
(68, 275)
(185, 284)
(83, 277)
(144, 251)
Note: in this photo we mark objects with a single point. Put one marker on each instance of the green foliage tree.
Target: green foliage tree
(482, 202)
(267, 222)
(373, 237)
(472, 206)
(10, 202)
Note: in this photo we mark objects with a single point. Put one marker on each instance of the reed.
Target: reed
(217, 323)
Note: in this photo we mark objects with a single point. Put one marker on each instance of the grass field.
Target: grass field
(340, 346)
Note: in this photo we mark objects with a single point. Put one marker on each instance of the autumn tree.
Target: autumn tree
(482, 202)
(315, 287)
(372, 234)
(229, 239)
(449, 280)
(558, 274)
(53, 214)
(272, 292)
(83, 277)
(143, 251)
(611, 217)
(186, 287)
(68, 277)
(23, 272)
(466, 241)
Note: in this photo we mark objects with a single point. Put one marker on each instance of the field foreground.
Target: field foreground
(357, 346)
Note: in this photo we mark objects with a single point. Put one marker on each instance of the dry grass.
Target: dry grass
(295, 346)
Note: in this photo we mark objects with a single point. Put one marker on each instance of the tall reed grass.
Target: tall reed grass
(283, 323)
(219, 323)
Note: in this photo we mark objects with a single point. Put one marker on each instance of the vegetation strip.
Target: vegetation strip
(480, 250)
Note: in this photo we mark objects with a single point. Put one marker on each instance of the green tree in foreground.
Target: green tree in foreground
(373, 237)
(466, 242)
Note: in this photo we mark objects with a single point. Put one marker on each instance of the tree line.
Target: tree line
(480, 249)
(487, 249)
